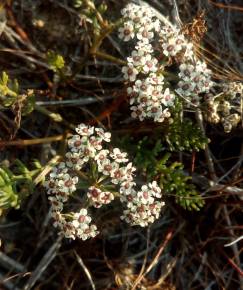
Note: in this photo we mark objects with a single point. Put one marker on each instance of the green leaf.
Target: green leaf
(8, 196)
(15, 188)
(29, 104)
(4, 80)
(55, 61)
(8, 90)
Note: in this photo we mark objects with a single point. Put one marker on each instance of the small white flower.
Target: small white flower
(127, 31)
(84, 130)
(156, 25)
(99, 197)
(76, 142)
(138, 112)
(69, 230)
(74, 160)
(117, 175)
(186, 71)
(56, 205)
(143, 87)
(81, 218)
(144, 47)
(150, 64)
(136, 58)
(130, 10)
(105, 136)
(129, 170)
(168, 98)
(144, 34)
(126, 187)
(174, 45)
(96, 143)
(155, 79)
(130, 72)
(119, 156)
(67, 183)
(107, 167)
(101, 156)
(155, 190)
(144, 195)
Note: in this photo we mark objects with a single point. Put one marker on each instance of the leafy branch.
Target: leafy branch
(16, 186)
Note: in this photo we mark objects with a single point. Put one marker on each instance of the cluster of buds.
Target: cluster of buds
(158, 46)
(232, 109)
(231, 121)
(234, 90)
(104, 174)
(225, 107)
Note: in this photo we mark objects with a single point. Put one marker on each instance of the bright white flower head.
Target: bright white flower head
(130, 72)
(168, 98)
(106, 173)
(158, 46)
(126, 32)
(84, 130)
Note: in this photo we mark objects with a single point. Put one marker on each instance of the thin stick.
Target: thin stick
(161, 249)
(155, 260)
(207, 150)
(86, 270)
(144, 262)
(234, 242)
(43, 264)
(28, 142)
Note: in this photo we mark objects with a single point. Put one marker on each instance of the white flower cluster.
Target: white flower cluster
(107, 173)
(159, 45)
(60, 186)
(148, 97)
(139, 20)
(195, 79)
(99, 197)
(174, 43)
(142, 206)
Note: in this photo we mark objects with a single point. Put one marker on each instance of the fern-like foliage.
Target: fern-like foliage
(172, 178)
(146, 156)
(175, 182)
(185, 136)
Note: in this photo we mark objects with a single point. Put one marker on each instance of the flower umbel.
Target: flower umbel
(97, 175)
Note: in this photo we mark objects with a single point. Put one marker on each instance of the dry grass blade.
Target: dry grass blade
(168, 237)
(11, 264)
(43, 264)
(86, 270)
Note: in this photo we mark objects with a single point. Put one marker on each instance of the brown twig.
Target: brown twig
(30, 142)
(168, 237)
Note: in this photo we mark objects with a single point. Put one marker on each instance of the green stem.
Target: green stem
(109, 57)
(99, 17)
(54, 116)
